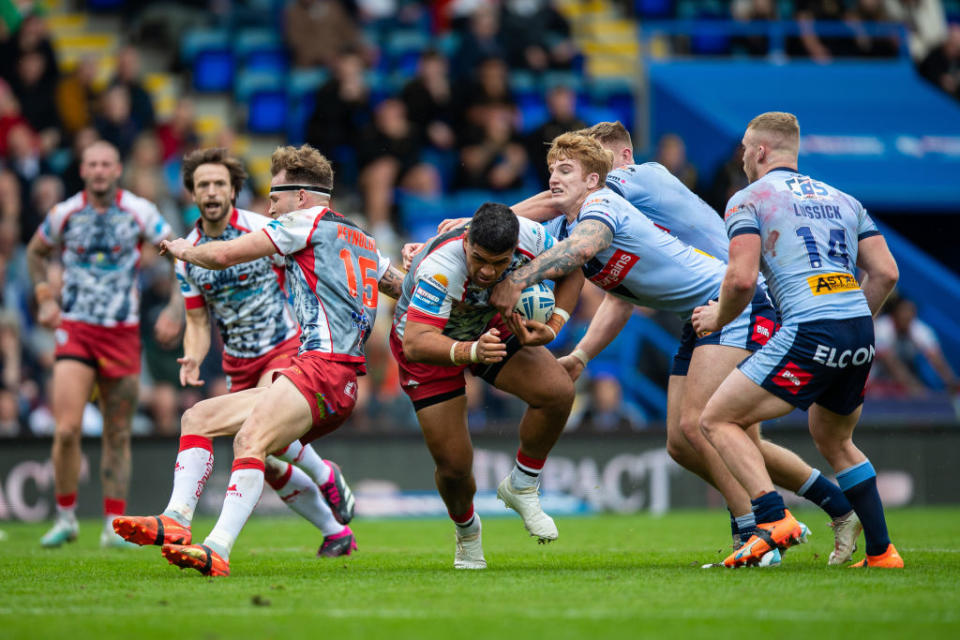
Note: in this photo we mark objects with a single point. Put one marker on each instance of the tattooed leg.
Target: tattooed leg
(118, 403)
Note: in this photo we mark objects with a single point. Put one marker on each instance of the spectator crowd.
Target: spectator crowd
(458, 122)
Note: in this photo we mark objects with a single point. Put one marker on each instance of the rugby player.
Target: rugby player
(670, 205)
(260, 337)
(335, 271)
(98, 233)
(809, 238)
(443, 325)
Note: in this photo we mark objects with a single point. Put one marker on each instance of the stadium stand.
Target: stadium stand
(698, 69)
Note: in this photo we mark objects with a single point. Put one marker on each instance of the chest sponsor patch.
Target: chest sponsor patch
(428, 296)
(616, 269)
(825, 283)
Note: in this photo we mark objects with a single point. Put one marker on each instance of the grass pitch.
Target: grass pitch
(606, 577)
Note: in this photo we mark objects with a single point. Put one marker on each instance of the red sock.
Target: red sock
(66, 500)
(463, 519)
(114, 506)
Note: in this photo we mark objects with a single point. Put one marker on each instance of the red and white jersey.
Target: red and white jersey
(334, 270)
(437, 290)
(247, 300)
(100, 251)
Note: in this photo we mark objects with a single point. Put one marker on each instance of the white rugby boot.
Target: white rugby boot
(63, 530)
(526, 502)
(846, 530)
(469, 553)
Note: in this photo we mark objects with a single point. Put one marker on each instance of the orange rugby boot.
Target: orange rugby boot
(196, 556)
(144, 530)
(781, 534)
(889, 559)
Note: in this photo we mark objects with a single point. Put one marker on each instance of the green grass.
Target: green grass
(606, 577)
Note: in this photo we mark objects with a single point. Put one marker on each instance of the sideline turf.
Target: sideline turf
(606, 577)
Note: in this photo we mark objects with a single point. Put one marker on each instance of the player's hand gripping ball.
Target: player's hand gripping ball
(536, 303)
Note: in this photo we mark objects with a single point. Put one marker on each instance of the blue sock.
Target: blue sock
(746, 525)
(859, 484)
(734, 529)
(825, 495)
(768, 508)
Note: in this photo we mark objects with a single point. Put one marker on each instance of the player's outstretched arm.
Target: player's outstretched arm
(391, 284)
(589, 238)
(219, 255)
(423, 342)
(538, 208)
(880, 270)
(739, 282)
(196, 344)
(610, 319)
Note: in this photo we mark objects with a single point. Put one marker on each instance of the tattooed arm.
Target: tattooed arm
(391, 284)
(588, 238)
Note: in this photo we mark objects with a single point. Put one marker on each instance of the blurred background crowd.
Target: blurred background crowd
(426, 109)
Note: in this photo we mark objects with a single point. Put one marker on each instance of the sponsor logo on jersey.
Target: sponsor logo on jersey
(792, 377)
(825, 283)
(429, 295)
(615, 271)
(732, 210)
(350, 389)
(595, 201)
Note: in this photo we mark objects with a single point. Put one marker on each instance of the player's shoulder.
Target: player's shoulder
(130, 201)
(248, 221)
(445, 254)
(74, 203)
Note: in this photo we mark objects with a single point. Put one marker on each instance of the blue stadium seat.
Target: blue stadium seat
(265, 94)
(197, 40)
(213, 70)
(267, 111)
(261, 50)
(654, 8)
(302, 85)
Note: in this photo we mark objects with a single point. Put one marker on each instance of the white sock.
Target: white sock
(307, 458)
(301, 494)
(526, 471)
(243, 493)
(471, 527)
(190, 473)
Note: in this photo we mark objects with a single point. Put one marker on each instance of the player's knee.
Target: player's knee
(68, 432)
(678, 448)
(193, 422)
(454, 467)
(116, 439)
(250, 443)
(690, 427)
(557, 395)
(708, 423)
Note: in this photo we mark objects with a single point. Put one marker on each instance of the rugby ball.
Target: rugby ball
(536, 302)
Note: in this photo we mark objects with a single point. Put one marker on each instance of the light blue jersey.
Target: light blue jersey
(660, 196)
(810, 233)
(643, 265)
